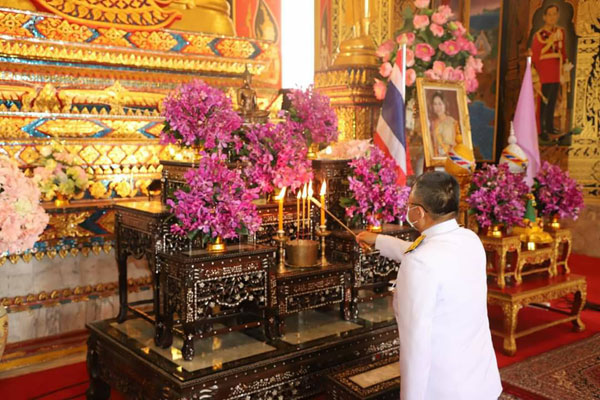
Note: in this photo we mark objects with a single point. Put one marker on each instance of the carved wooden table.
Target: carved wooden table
(563, 240)
(512, 298)
(291, 372)
(137, 234)
(497, 251)
(535, 258)
(370, 270)
(300, 289)
(204, 288)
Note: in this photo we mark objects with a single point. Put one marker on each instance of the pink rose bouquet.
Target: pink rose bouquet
(556, 193)
(197, 114)
(275, 156)
(437, 47)
(216, 202)
(22, 219)
(312, 115)
(375, 195)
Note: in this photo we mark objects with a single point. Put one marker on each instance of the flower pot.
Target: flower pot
(554, 223)
(495, 231)
(3, 329)
(61, 200)
(217, 246)
(313, 149)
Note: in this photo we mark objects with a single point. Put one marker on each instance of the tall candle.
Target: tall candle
(298, 213)
(366, 8)
(323, 191)
(304, 192)
(309, 206)
(279, 199)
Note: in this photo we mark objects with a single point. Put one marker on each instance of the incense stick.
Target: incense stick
(336, 219)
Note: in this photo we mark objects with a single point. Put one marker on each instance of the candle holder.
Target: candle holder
(323, 233)
(281, 239)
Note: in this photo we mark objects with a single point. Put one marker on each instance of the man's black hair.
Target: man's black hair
(438, 192)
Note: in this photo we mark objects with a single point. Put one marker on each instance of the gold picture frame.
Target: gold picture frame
(439, 132)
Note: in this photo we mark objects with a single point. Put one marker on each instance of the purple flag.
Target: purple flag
(525, 125)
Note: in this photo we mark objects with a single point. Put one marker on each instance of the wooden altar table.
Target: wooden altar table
(138, 234)
(534, 291)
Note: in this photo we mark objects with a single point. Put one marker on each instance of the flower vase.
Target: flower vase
(496, 231)
(61, 200)
(217, 246)
(554, 223)
(3, 329)
(376, 227)
(313, 149)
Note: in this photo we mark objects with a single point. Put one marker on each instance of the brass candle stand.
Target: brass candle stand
(281, 239)
(323, 233)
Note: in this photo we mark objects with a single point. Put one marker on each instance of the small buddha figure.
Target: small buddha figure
(246, 96)
(247, 105)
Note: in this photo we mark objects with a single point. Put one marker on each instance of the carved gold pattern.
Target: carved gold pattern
(66, 226)
(60, 29)
(153, 40)
(198, 45)
(66, 295)
(535, 257)
(511, 303)
(75, 52)
(12, 24)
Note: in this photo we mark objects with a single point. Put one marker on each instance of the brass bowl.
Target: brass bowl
(302, 253)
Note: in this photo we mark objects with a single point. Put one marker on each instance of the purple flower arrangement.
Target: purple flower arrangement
(197, 114)
(311, 114)
(556, 193)
(498, 196)
(375, 195)
(275, 156)
(216, 202)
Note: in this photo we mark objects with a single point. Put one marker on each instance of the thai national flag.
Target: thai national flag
(390, 136)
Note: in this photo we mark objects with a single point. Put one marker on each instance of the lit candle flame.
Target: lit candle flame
(328, 150)
(323, 188)
(281, 194)
(310, 190)
(304, 192)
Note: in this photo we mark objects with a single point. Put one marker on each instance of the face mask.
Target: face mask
(411, 223)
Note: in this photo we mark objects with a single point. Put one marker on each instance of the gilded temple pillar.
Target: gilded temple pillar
(351, 91)
(347, 35)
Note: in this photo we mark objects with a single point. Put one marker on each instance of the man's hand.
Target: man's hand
(366, 240)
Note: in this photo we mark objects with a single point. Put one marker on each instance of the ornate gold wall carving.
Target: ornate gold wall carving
(100, 91)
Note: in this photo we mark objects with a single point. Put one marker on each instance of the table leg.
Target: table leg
(188, 342)
(500, 269)
(122, 268)
(518, 269)
(578, 304)
(510, 325)
(98, 389)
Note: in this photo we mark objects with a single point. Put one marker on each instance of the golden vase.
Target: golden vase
(376, 227)
(313, 149)
(555, 223)
(61, 200)
(217, 246)
(495, 231)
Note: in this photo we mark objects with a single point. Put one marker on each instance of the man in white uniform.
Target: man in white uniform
(440, 299)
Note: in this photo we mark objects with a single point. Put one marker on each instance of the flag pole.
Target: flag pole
(403, 88)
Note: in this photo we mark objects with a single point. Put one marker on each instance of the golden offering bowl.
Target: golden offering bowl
(301, 253)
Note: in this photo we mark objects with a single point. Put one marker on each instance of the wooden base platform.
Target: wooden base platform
(535, 291)
(238, 365)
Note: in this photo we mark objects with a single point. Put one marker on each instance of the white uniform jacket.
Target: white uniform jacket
(440, 302)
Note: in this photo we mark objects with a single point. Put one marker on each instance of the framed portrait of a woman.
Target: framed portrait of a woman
(443, 114)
